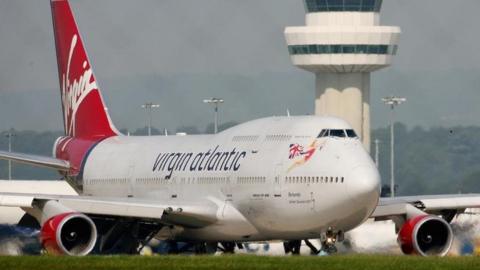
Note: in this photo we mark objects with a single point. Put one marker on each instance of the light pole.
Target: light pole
(392, 102)
(149, 106)
(215, 102)
(10, 135)
(377, 152)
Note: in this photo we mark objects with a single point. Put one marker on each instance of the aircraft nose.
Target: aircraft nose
(364, 184)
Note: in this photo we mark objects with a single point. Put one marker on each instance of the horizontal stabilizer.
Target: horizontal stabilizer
(40, 161)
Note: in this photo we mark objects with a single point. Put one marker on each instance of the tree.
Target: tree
(221, 127)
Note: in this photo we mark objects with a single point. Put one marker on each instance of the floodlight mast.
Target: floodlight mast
(392, 102)
(377, 152)
(10, 135)
(215, 102)
(149, 106)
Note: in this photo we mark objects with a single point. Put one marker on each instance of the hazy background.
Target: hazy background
(177, 52)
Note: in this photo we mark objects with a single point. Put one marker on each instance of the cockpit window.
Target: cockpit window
(339, 133)
(332, 133)
(323, 133)
(351, 133)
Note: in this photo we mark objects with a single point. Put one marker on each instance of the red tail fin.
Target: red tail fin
(84, 112)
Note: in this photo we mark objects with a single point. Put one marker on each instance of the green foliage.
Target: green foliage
(471, 183)
(222, 126)
(240, 262)
(190, 130)
(434, 161)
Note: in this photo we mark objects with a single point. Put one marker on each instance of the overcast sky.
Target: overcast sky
(177, 52)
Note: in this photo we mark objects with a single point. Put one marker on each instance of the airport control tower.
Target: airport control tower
(342, 43)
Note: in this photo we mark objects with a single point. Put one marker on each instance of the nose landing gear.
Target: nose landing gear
(328, 246)
(329, 239)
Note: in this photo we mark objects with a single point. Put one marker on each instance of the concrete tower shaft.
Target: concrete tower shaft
(341, 44)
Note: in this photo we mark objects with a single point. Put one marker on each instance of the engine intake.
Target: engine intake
(426, 235)
(70, 234)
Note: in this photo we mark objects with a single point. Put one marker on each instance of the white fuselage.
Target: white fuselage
(271, 178)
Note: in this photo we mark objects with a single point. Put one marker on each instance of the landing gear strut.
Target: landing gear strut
(329, 239)
(313, 249)
(329, 246)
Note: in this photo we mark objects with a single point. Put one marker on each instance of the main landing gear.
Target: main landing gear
(199, 248)
(292, 247)
(124, 236)
(328, 242)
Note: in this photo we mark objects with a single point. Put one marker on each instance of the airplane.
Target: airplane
(278, 178)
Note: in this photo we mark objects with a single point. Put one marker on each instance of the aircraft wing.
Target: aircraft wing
(433, 204)
(187, 215)
(35, 160)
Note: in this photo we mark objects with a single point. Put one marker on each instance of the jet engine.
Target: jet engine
(425, 235)
(69, 234)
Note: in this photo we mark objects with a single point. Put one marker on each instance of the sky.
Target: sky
(178, 52)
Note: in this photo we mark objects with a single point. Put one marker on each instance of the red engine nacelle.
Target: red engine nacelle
(69, 233)
(426, 235)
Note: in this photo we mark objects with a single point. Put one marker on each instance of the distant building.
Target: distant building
(342, 43)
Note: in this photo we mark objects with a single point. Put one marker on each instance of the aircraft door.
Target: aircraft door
(131, 181)
(312, 201)
(277, 181)
(227, 191)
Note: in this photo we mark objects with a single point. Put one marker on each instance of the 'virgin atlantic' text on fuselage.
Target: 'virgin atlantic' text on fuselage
(211, 160)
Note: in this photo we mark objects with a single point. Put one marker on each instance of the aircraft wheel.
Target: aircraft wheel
(329, 248)
(292, 247)
(228, 247)
(200, 248)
